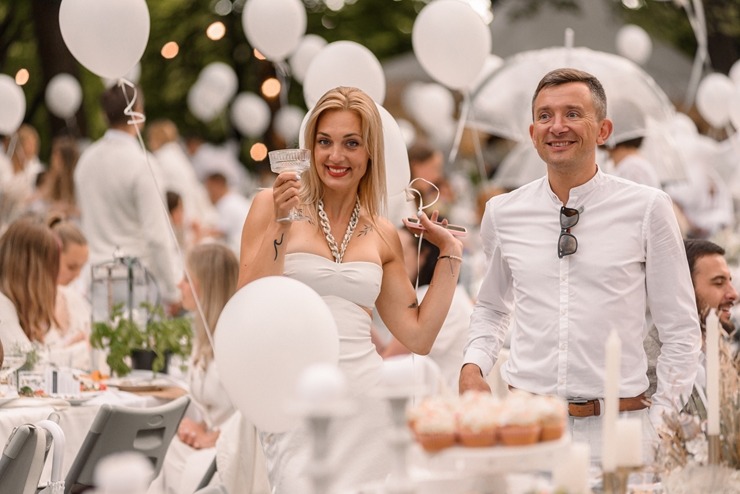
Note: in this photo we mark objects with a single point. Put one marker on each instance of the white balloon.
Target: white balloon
(274, 27)
(735, 109)
(204, 103)
(132, 75)
(429, 104)
(492, 63)
(288, 122)
(221, 78)
(268, 334)
(301, 58)
(712, 95)
(108, 37)
(735, 73)
(344, 63)
(634, 43)
(250, 114)
(13, 104)
(397, 169)
(63, 95)
(408, 131)
(451, 42)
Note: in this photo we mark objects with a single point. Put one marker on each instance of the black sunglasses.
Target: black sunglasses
(567, 242)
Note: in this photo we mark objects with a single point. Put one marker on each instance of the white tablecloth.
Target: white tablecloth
(75, 421)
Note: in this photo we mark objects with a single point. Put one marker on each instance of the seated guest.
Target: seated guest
(29, 266)
(232, 209)
(71, 331)
(213, 270)
(713, 288)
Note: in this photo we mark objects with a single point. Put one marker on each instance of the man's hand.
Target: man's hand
(471, 378)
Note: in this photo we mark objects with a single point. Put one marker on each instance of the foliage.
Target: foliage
(121, 336)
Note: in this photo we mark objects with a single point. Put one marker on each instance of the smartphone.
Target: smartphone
(456, 230)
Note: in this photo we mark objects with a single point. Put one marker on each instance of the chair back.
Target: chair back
(115, 429)
(22, 460)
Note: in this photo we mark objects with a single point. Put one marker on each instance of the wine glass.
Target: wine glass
(290, 160)
(11, 363)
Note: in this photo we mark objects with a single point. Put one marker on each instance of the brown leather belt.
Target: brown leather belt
(592, 408)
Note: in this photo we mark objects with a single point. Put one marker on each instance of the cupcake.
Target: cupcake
(477, 419)
(553, 415)
(434, 424)
(518, 422)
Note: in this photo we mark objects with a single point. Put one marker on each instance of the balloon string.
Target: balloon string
(460, 127)
(11, 145)
(409, 193)
(137, 118)
(478, 151)
(282, 70)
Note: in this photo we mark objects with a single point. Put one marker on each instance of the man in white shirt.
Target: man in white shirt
(615, 251)
(232, 209)
(120, 204)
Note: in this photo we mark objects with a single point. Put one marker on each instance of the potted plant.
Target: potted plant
(122, 337)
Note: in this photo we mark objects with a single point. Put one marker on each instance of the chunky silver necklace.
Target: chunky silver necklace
(324, 220)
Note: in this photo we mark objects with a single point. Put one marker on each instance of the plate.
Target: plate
(137, 387)
(76, 400)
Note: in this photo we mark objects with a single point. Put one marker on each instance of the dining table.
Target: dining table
(76, 413)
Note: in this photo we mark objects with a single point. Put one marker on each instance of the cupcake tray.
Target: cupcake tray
(496, 459)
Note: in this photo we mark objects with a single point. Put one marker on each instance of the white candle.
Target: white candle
(629, 442)
(610, 413)
(571, 473)
(712, 347)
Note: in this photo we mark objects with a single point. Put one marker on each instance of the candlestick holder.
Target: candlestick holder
(714, 449)
(616, 482)
(399, 481)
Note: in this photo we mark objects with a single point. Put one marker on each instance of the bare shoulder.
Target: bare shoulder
(390, 243)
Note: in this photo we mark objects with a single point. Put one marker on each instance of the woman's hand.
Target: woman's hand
(285, 193)
(196, 434)
(447, 243)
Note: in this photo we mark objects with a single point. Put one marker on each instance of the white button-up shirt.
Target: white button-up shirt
(630, 257)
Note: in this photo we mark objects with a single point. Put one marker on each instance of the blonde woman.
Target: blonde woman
(69, 336)
(213, 270)
(29, 264)
(351, 256)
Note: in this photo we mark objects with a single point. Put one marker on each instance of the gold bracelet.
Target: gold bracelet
(457, 258)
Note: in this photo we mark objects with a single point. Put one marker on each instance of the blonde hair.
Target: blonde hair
(64, 155)
(161, 132)
(67, 232)
(214, 269)
(372, 188)
(29, 265)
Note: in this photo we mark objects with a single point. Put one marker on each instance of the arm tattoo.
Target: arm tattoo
(275, 244)
(414, 305)
(365, 230)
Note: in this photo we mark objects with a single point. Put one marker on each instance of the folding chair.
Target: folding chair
(115, 429)
(23, 460)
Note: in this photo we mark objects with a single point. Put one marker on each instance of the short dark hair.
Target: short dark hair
(634, 143)
(696, 248)
(562, 76)
(420, 151)
(173, 200)
(114, 103)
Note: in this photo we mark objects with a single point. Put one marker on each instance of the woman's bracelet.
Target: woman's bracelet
(450, 258)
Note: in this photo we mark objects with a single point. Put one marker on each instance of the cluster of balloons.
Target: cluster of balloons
(216, 85)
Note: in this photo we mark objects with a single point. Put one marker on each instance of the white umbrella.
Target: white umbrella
(502, 104)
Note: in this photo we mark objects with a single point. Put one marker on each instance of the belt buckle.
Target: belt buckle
(579, 401)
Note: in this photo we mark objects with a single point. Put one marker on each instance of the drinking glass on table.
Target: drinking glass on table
(11, 363)
(290, 160)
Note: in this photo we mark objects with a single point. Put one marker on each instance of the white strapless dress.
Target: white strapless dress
(359, 451)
